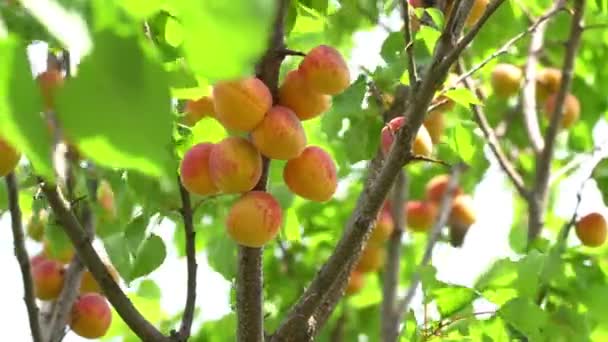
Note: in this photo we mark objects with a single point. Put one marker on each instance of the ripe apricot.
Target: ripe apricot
(463, 211)
(436, 187)
(435, 125)
(35, 260)
(356, 281)
(9, 157)
(195, 110)
(90, 316)
(571, 110)
(105, 198)
(548, 81)
(479, 6)
(89, 284)
(506, 79)
(592, 230)
(422, 145)
(49, 81)
(254, 219)
(194, 170)
(47, 276)
(312, 175)
(295, 94)
(241, 104)
(420, 215)
(372, 259)
(235, 165)
(325, 70)
(417, 3)
(383, 229)
(280, 135)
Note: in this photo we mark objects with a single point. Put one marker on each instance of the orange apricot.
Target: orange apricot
(436, 187)
(382, 229)
(235, 165)
(571, 109)
(422, 145)
(9, 157)
(372, 259)
(548, 81)
(48, 277)
(356, 281)
(592, 230)
(280, 135)
(312, 175)
(49, 81)
(254, 219)
(295, 94)
(506, 79)
(479, 6)
(325, 70)
(195, 110)
(420, 215)
(435, 125)
(194, 170)
(241, 104)
(91, 316)
(463, 211)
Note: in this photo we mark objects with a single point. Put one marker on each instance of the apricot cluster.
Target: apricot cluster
(275, 131)
(506, 81)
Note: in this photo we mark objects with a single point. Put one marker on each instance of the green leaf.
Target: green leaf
(118, 251)
(525, 316)
(21, 122)
(429, 36)
(150, 256)
(452, 298)
(210, 25)
(222, 254)
(141, 9)
(292, 226)
(135, 233)
(600, 175)
(148, 289)
(463, 141)
(463, 96)
(529, 274)
(436, 15)
(57, 240)
(117, 109)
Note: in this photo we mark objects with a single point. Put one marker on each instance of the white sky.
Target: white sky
(486, 241)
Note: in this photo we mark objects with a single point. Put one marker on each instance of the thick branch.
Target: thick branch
(125, 308)
(543, 164)
(389, 319)
(488, 132)
(528, 98)
(442, 219)
(22, 257)
(190, 235)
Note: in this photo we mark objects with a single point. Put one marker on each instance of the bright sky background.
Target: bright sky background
(486, 241)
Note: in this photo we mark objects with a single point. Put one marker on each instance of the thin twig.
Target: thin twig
(409, 44)
(22, 257)
(190, 236)
(434, 235)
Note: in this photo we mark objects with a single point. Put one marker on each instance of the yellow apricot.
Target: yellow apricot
(422, 145)
(463, 211)
(383, 228)
(9, 157)
(435, 125)
(436, 187)
(48, 277)
(479, 6)
(592, 230)
(235, 165)
(312, 175)
(372, 259)
(280, 135)
(548, 81)
(254, 219)
(356, 281)
(295, 94)
(506, 79)
(325, 70)
(194, 170)
(91, 316)
(241, 104)
(571, 109)
(420, 215)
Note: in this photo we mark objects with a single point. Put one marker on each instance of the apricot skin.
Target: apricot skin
(420, 215)
(49, 81)
(325, 70)
(436, 187)
(295, 94)
(356, 281)
(254, 219)
(48, 277)
(88, 284)
(91, 316)
(241, 105)
(435, 125)
(463, 212)
(372, 259)
(479, 6)
(312, 175)
(235, 165)
(506, 79)
(422, 145)
(9, 158)
(548, 81)
(571, 110)
(195, 110)
(194, 170)
(383, 228)
(280, 135)
(592, 230)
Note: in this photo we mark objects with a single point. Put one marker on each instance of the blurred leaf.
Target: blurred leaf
(149, 257)
(148, 289)
(525, 316)
(463, 97)
(600, 175)
(135, 233)
(118, 251)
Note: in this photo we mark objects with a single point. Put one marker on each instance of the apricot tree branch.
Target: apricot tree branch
(409, 44)
(82, 243)
(495, 147)
(190, 235)
(543, 164)
(359, 226)
(528, 96)
(22, 257)
(445, 207)
(389, 319)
